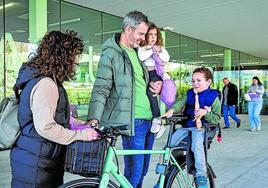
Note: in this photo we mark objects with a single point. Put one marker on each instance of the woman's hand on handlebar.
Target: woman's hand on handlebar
(92, 134)
(94, 123)
(169, 113)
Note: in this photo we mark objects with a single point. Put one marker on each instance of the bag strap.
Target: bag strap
(16, 91)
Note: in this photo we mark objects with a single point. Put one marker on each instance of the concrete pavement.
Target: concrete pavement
(239, 161)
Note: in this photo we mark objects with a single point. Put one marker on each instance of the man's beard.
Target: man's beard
(136, 45)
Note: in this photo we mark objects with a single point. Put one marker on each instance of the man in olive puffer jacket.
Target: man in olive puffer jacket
(119, 94)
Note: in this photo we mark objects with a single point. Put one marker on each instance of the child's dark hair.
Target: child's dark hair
(207, 73)
(159, 41)
(257, 78)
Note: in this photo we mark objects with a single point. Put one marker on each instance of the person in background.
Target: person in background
(229, 102)
(37, 158)
(209, 112)
(151, 47)
(255, 92)
(119, 94)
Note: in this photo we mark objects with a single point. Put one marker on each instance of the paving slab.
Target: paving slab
(239, 161)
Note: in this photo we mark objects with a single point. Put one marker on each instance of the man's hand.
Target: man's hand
(156, 87)
(169, 113)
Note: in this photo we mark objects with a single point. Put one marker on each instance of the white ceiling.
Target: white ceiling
(237, 24)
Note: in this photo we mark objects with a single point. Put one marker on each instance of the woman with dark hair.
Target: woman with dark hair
(37, 157)
(255, 92)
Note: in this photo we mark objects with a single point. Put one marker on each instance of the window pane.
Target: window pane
(218, 56)
(53, 15)
(189, 50)
(204, 56)
(1, 52)
(17, 34)
(87, 23)
(173, 45)
(111, 25)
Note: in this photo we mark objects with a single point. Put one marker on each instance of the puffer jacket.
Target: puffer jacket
(113, 95)
(208, 97)
(35, 161)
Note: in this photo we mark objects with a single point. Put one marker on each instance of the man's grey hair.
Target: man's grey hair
(133, 19)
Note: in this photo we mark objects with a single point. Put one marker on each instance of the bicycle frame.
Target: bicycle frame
(111, 168)
(168, 169)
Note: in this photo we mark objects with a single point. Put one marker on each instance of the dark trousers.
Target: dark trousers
(153, 99)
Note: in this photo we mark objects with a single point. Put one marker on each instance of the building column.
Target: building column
(37, 20)
(227, 59)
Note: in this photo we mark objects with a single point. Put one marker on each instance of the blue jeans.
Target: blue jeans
(229, 109)
(254, 110)
(197, 147)
(136, 166)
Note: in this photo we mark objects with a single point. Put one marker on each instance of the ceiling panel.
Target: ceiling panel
(236, 24)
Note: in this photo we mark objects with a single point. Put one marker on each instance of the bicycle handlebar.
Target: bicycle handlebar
(176, 118)
(111, 132)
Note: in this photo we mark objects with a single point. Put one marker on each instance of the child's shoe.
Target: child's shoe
(156, 123)
(201, 182)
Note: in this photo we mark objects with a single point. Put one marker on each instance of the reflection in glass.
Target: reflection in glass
(16, 44)
(95, 27)
(1, 53)
(87, 23)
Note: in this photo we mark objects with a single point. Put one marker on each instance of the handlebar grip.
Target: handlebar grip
(111, 131)
(209, 125)
(177, 117)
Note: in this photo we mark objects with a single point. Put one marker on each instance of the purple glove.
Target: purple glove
(77, 126)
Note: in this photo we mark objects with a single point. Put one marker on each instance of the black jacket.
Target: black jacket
(232, 95)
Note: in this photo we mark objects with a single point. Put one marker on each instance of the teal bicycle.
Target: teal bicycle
(173, 170)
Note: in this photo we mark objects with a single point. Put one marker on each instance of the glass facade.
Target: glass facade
(23, 23)
(2, 54)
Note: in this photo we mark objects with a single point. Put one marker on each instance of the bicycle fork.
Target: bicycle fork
(110, 167)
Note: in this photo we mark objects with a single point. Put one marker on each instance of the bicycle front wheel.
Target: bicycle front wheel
(174, 178)
(91, 182)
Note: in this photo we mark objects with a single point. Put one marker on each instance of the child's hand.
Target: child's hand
(208, 109)
(169, 113)
(200, 113)
(157, 49)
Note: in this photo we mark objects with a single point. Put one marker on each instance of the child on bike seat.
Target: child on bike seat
(208, 111)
